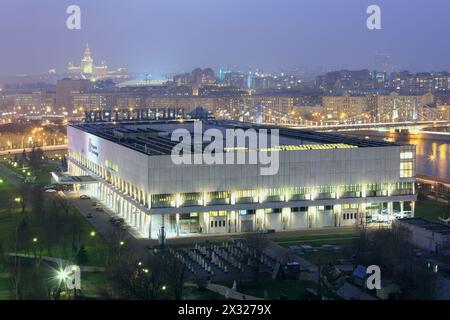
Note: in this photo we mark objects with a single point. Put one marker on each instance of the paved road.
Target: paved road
(229, 293)
(100, 223)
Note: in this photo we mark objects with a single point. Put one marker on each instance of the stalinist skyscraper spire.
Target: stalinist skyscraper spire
(87, 63)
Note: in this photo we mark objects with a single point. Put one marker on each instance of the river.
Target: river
(432, 155)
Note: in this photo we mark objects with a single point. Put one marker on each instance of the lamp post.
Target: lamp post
(432, 158)
(121, 244)
(35, 243)
(93, 234)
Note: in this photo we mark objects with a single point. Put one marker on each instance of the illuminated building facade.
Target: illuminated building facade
(87, 69)
(323, 180)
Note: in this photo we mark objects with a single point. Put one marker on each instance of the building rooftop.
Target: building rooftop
(154, 137)
(428, 225)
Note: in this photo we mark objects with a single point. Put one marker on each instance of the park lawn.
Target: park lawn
(293, 289)
(43, 177)
(4, 286)
(430, 210)
(97, 248)
(93, 283)
(317, 242)
(5, 184)
(8, 222)
(323, 257)
(315, 237)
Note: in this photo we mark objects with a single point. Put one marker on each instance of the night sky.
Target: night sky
(166, 36)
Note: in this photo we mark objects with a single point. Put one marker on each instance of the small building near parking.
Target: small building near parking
(426, 235)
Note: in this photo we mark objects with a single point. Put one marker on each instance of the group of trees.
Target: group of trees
(255, 241)
(391, 250)
(46, 223)
(159, 276)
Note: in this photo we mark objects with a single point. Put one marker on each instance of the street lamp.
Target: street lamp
(432, 158)
(35, 241)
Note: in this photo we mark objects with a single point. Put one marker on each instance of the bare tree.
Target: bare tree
(256, 241)
(391, 250)
(175, 274)
(135, 279)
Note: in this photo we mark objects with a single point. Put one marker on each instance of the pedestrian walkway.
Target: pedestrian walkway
(10, 175)
(230, 293)
(280, 253)
(59, 262)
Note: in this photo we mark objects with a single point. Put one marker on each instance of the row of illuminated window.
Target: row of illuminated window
(281, 193)
(227, 197)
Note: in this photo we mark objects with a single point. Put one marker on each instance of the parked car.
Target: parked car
(93, 204)
(118, 223)
(50, 186)
(84, 197)
(89, 215)
(99, 209)
(51, 191)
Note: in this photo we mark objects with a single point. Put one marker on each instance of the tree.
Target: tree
(255, 241)
(175, 273)
(82, 256)
(36, 155)
(135, 279)
(391, 250)
(22, 194)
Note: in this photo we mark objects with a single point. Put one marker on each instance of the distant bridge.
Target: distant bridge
(380, 126)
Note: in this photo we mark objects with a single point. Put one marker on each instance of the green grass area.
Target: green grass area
(430, 209)
(293, 289)
(93, 283)
(317, 237)
(5, 184)
(96, 247)
(318, 242)
(323, 257)
(43, 177)
(340, 239)
(42, 174)
(8, 222)
(4, 286)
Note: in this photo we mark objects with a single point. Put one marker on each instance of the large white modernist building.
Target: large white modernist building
(324, 180)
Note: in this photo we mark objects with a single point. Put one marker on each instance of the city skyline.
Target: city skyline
(162, 40)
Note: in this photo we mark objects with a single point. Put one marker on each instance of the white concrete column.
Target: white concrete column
(149, 226)
(177, 217)
(390, 207)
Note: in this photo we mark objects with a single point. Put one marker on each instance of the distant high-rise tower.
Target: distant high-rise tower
(87, 63)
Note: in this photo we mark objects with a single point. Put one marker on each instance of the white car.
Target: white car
(50, 191)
